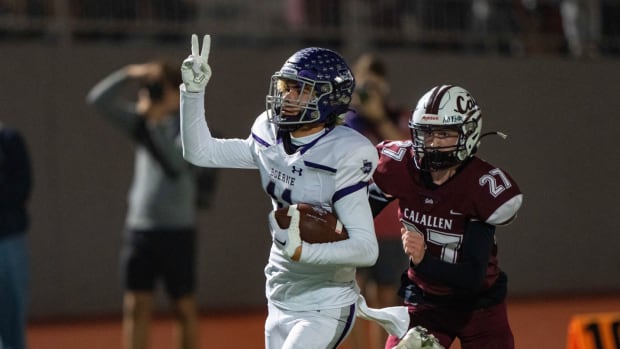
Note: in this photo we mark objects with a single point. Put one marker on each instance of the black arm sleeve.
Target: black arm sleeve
(468, 275)
(378, 200)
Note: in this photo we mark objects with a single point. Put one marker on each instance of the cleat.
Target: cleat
(418, 338)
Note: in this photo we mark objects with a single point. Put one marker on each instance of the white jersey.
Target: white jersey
(332, 171)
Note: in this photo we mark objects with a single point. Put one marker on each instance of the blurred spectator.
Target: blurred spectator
(378, 118)
(15, 187)
(376, 115)
(582, 26)
(610, 13)
(109, 9)
(33, 8)
(496, 26)
(160, 234)
(542, 26)
(142, 10)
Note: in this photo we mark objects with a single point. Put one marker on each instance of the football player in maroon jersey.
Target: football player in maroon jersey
(450, 202)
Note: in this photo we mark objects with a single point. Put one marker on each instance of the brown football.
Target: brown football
(316, 225)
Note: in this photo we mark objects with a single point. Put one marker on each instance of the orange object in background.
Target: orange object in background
(594, 331)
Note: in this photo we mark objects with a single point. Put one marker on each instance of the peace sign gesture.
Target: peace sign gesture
(195, 69)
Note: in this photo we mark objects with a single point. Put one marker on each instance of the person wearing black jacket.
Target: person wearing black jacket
(15, 188)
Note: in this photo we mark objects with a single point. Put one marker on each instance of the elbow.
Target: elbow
(190, 156)
(197, 158)
(475, 282)
(193, 160)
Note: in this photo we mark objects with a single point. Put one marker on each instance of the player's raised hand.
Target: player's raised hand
(287, 239)
(195, 69)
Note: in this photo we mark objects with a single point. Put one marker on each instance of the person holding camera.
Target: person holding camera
(376, 116)
(160, 234)
(16, 181)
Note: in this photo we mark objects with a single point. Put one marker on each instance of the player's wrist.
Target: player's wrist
(415, 262)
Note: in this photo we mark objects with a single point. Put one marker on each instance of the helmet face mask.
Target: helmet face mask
(441, 110)
(319, 73)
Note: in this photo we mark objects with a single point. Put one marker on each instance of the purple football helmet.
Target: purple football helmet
(329, 80)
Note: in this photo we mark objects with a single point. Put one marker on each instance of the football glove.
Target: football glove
(418, 338)
(195, 69)
(286, 239)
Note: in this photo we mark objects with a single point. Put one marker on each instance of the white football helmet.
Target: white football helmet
(445, 107)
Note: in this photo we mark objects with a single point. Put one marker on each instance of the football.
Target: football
(316, 225)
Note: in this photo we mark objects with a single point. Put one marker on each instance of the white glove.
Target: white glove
(418, 338)
(287, 239)
(195, 69)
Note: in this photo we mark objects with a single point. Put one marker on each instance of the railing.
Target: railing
(505, 26)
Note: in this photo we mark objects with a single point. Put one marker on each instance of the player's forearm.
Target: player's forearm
(469, 274)
(361, 248)
(195, 134)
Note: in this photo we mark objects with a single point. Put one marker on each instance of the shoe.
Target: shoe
(418, 338)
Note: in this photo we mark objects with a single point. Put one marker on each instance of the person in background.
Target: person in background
(378, 118)
(15, 188)
(160, 234)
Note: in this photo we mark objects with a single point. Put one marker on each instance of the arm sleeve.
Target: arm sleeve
(467, 275)
(107, 99)
(361, 248)
(200, 147)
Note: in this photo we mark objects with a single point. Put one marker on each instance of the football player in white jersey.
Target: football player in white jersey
(303, 156)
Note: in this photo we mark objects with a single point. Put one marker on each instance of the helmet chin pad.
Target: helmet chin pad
(289, 127)
(439, 160)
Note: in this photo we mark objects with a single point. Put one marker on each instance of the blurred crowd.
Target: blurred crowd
(579, 28)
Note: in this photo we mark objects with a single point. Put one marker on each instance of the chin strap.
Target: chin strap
(289, 147)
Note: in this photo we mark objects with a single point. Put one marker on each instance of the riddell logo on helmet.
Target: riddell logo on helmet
(289, 71)
(430, 117)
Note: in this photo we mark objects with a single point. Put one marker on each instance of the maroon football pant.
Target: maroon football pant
(486, 328)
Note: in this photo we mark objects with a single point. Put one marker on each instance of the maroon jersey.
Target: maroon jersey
(479, 191)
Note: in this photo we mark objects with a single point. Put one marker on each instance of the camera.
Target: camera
(155, 90)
